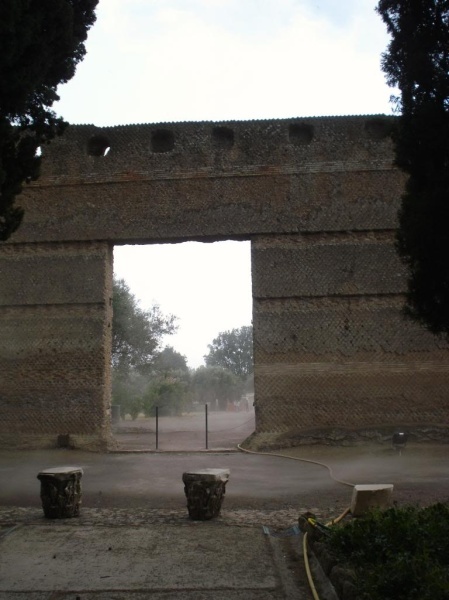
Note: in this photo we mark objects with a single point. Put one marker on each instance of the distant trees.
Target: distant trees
(169, 360)
(136, 340)
(212, 384)
(144, 376)
(417, 62)
(128, 392)
(169, 384)
(41, 43)
(136, 333)
(233, 350)
(229, 366)
(169, 392)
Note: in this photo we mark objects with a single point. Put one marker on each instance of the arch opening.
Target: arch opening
(207, 286)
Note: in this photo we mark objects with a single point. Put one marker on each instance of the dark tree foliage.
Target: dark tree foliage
(232, 350)
(215, 383)
(167, 392)
(417, 63)
(41, 43)
(168, 384)
(169, 359)
(136, 333)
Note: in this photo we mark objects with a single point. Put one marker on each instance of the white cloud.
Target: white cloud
(197, 60)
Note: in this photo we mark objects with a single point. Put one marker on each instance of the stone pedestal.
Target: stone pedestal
(366, 497)
(61, 492)
(205, 490)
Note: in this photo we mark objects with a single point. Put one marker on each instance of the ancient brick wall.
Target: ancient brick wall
(334, 356)
(55, 344)
(209, 181)
(317, 198)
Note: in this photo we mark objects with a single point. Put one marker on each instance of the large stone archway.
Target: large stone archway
(317, 197)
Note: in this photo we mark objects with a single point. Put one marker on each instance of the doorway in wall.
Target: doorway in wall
(182, 346)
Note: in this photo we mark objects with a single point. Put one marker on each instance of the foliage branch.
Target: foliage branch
(417, 63)
(41, 43)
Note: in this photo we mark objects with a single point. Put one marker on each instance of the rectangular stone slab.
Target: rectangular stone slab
(58, 471)
(206, 475)
(59, 558)
(368, 496)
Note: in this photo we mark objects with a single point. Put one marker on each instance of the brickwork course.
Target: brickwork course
(335, 360)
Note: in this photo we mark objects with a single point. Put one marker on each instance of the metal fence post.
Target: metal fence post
(207, 441)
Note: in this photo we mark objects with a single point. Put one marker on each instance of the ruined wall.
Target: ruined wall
(317, 198)
(55, 344)
(334, 356)
(204, 180)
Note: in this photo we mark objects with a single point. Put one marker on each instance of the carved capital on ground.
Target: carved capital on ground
(61, 492)
(205, 490)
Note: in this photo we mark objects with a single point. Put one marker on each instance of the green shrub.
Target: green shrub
(168, 393)
(397, 554)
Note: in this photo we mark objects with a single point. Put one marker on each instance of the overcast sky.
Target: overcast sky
(152, 61)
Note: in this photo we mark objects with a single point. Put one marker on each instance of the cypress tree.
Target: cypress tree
(417, 63)
(41, 42)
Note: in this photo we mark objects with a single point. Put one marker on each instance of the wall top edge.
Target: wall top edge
(237, 122)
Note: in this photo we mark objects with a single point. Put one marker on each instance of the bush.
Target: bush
(169, 394)
(398, 554)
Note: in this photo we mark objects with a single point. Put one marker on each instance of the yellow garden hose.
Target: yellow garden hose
(307, 460)
(332, 522)
(338, 519)
(308, 572)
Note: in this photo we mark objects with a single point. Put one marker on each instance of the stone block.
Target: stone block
(61, 492)
(368, 496)
(205, 490)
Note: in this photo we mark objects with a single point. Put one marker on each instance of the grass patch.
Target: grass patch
(397, 554)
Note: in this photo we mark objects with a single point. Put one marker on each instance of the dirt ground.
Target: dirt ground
(134, 509)
(258, 481)
(139, 474)
(420, 472)
(186, 433)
